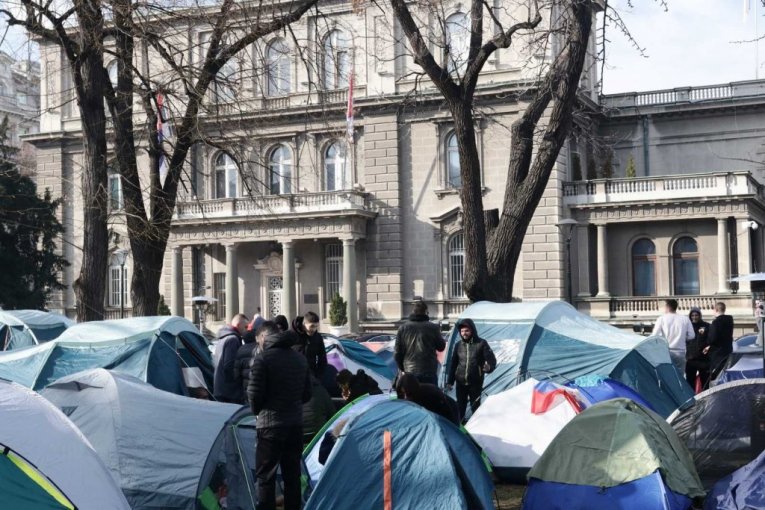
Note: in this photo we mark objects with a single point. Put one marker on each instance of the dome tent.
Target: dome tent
(350, 355)
(36, 475)
(553, 340)
(616, 455)
(164, 450)
(24, 328)
(742, 490)
(153, 349)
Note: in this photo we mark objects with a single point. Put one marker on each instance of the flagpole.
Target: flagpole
(756, 42)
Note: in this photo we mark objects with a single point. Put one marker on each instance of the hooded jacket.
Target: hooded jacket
(310, 346)
(225, 386)
(469, 357)
(417, 341)
(243, 361)
(279, 383)
(720, 337)
(694, 349)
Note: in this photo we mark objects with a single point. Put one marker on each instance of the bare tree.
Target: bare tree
(493, 242)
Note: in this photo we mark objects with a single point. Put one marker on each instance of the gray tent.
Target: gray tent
(24, 328)
(164, 450)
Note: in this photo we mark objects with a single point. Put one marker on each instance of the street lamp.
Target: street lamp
(121, 256)
(566, 228)
(202, 304)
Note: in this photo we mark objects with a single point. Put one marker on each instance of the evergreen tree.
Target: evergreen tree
(28, 230)
(630, 171)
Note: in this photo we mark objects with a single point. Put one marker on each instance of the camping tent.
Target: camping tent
(24, 328)
(747, 367)
(633, 460)
(167, 352)
(511, 435)
(385, 351)
(397, 452)
(45, 462)
(552, 339)
(742, 490)
(725, 428)
(347, 354)
(164, 450)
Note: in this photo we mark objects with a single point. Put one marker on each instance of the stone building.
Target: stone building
(20, 102)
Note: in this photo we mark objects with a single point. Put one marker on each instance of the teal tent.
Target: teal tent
(167, 352)
(25, 328)
(395, 454)
(552, 340)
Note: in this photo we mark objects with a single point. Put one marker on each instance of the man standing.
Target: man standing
(696, 362)
(417, 341)
(225, 386)
(310, 343)
(471, 359)
(279, 386)
(720, 340)
(677, 330)
(250, 349)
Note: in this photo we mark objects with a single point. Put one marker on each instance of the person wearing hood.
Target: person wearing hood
(417, 342)
(225, 386)
(249, 350)
(310, 343)
(696, 362)
(471, 359)
(280, 383)
(720, 340)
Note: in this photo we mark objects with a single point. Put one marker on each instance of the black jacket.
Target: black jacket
(362, 384)
(436, 401)
(225, 386)
(694, 349)
(417, 341)
(318, 410)
(720, 337)
(243, 362)
(279, 384)
(310, 346)
(469, 356)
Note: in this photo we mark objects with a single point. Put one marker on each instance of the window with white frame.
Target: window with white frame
(335, 166)
(118, 285)
(116, 202)
(453, 177)
(456, 266)
(333, 270)
(280, 170)
(457, 43)
(336, 60)
(278, 68)
(685, 267)
(225, 176)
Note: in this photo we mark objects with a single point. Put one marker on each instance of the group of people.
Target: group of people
(698, 349)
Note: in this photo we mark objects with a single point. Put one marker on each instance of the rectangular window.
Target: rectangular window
(198, 275)
(334, 270)
(115, 193)
(115, 286)
(219, 291)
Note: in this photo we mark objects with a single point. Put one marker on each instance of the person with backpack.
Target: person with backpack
(471, 360)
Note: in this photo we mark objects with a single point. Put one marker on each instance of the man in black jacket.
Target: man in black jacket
(696, 362)
(428, 396)
(243, 360)
(417, 341)
(720, 340)
(225, 386)
(310, 343)
(279, 386)
(471, 359)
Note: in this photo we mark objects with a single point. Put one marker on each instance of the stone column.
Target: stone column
(349, 283)
(744, 257)
(723, 256)
(232, 282)
(176, 284)
(289, 300)
(602, 262)
(582, 246)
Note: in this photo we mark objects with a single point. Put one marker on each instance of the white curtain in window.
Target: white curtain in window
(278, 68)
(280, 168)
(453, 177)
(335, 165)
(225, 176)
(336, 60)
(457, 42)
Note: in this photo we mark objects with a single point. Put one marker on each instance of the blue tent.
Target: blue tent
(553, 340)
(351, 355)
(398, 452)
(167, 352)
(743, 490)
(596, 389)
(24, 328)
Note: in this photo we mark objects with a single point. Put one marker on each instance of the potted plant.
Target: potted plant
(338, 316)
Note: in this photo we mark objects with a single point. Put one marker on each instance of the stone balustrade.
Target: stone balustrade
(666, 97)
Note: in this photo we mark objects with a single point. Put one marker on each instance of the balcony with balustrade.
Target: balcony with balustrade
(666, 98)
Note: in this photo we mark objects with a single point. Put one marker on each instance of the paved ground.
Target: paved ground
(509, 496)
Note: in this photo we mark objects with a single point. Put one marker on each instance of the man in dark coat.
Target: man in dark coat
(310, 343)
(471, 359)
(317, 411)
(696, 362)
(225, 386)
(417, 341)
(427, 396)
(243, 361)
(280, 384)
(720, 339)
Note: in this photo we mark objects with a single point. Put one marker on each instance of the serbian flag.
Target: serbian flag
(163, 132)
(349, 111)
(547, 395)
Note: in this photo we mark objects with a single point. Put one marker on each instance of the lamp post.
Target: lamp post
(121, 258)
(566, 228)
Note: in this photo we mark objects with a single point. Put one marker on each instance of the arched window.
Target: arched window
(280, 170)
(643, 268)
(278, 68)
(456, 266)
(336, 60)
(453, 178)
(685, 266)
(335, 158)
(225, 176)
(457, 42)
(112, 71)
(225, 84)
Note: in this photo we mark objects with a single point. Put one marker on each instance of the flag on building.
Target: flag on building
(163, 133)
(349, 111)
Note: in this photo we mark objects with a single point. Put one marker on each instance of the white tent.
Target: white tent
(511, 436)
(46, 462)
